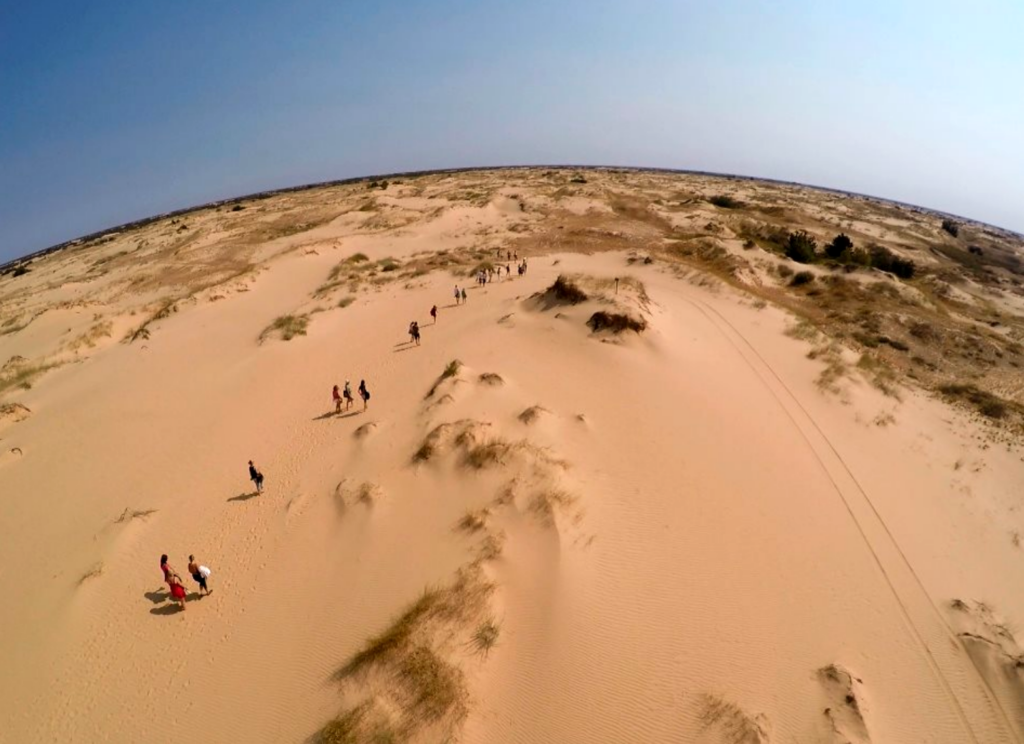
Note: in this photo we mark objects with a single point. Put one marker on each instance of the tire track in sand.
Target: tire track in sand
(766, 374)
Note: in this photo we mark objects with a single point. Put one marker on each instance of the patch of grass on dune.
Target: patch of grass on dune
(22, 375)
(449, 372)
(985, 402)
(287, 327)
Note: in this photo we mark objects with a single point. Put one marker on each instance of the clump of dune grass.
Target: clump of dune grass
(19, 373)
(129, 514)
(474, 520)
(93, 573)
(490, 547)
(487, 454)
(490, 378)
(545, 504)
(449, 372)
(165, 310)
(485, 637)
(429, 693)
(287, 327)
(531, 414)
(388, 264)
(565, 290)
(987, 404)
(616, 322)
(346, 301)
(730, 721)
(364, 724)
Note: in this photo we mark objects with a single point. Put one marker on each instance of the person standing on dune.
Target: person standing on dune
(336, 395)
(199, 573)
(364, 394)
(463, 295)
(256, 477)
(456, 294)
(433, 313)
(173, 581)
(349, 400)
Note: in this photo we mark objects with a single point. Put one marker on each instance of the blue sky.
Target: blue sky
(111, 112)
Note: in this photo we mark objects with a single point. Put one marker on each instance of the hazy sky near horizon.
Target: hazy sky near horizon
(111, 112)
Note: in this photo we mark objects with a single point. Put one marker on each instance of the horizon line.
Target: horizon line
(258, 195)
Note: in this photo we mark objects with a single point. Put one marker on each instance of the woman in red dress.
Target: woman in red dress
(173, 581)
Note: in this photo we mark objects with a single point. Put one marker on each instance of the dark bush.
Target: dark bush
(21, 271)
(615, 322)
(986, 403)
(563, 289)
(577, 179)
(976, 250)
(801, 277)
(237, 208)
(801, 247)
(885, 260)
(725, 202)
(839, 246)
(953, 228)
(784, 271)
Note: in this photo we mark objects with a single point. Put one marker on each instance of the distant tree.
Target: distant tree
(952, 227)
(725, 202)
(801, 247)
(840, 244)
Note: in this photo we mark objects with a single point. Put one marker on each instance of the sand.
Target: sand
(676, 535)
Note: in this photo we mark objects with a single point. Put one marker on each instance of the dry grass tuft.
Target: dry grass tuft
(452, 370)
(616, 322)
(474, 520)
(15, 412)
(19, 373)
(731, 722)
(367, 723)
(532, 413)
(545, 504)
(491, 547)
(565, 290)
(166, 308)
(286, 327)
(983, 401)
(129, 514)
(490, 378)
(93, 573)
(486, 636)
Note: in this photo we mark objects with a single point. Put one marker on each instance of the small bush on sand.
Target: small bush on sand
(616, 322)
(287, 327)
(474, 521)
(725, 202)
(565, 290)
(885, 260)
(800, 278)
(784, 271)
(450, 371)
(951, 226)
(985, 402)
(490, 378)
(840, 245)
(486, 636)
(237, 208)
(801, 247)
(346, 301)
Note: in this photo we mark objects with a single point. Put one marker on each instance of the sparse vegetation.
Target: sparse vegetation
(474, 520)
(449, 372)
(486, 636)
(616, 322)
(346, 301)
(801, 247)
(725, 202)
(492, 379)
(19, 373)
(801, 278)
(985, 402)
(286, 327)
(951, 226)
(565, 290)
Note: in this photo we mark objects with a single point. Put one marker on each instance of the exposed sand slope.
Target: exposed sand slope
(671, 536)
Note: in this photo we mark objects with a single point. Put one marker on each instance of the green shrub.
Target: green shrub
(952, 227)
(801, 247)
(885, 260)
(840, 245)
(801, 277)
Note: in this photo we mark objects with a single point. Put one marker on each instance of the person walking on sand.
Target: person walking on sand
(463, 295)
(349, 400)
(456, 294)
(364, 394)
(433, 313)
(412, 331)
(256, 477)
(336, 396)
(173, 581)
(415, 330)
(199, 573)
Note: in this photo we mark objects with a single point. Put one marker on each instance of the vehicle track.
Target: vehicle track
(738, 341)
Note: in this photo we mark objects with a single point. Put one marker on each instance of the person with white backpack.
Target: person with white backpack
(199, 573)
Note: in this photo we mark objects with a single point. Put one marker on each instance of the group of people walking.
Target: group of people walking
(173, 579)
(345, 395)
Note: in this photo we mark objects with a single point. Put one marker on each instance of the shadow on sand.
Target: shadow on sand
(244, 496)
(158, 596)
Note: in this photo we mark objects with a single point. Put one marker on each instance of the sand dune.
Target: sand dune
(723, 512)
